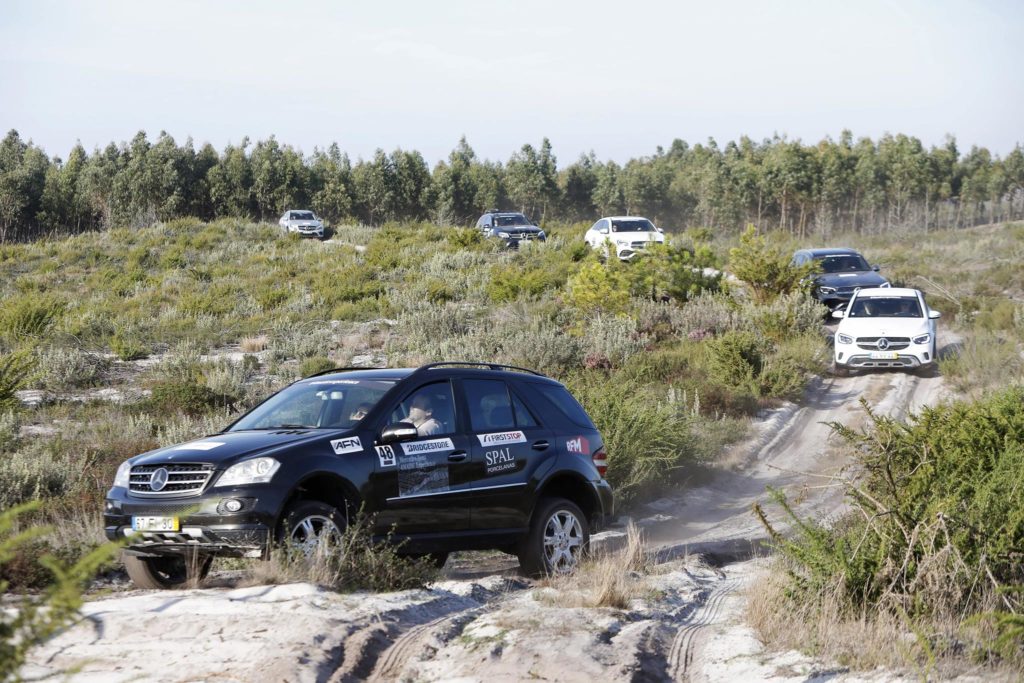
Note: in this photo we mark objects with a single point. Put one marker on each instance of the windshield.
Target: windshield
(634, 225)
(317, 404)
(302, 215)
(886, 307)
(843, 263)
(510, 220)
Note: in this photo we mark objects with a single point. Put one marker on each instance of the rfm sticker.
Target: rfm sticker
(349, 445)
(578, 445)
(386, 455)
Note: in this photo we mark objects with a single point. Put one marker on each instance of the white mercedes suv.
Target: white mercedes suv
(885, 328)
(628, 235)
(303, 222)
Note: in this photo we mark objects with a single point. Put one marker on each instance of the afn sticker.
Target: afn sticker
(501, 438)
(578, 445)
(349, 445)
(386, 455)
(198, 446)
(432, 446)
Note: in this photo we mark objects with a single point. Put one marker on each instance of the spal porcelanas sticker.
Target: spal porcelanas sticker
(500, 460)
(501, 438)
(349, 444)
(386, 455)
(198, 446)
(432, 446)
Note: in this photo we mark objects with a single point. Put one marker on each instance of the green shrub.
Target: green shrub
(28, 316)
(510, 282)
(177, 396)
(69, 368)
(127, 347)
(36, 471)
(15, 371)
(10, 430)
(751, 363)
(312, 366)
(938, 521)
(765, 267)
(598, 288)
(464, 238)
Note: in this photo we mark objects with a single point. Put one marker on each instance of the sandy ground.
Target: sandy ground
(483, 622)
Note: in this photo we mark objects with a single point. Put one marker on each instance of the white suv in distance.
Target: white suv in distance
(629, 235)
(885, 328)
(303, 222)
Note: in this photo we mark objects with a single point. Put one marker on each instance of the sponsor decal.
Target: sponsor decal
(386, 455)
(418, 475)
(500, 438)
(349, 444)
(198, 446)
(578, 445)
(432, 446)
(501, 460)
(335, 381)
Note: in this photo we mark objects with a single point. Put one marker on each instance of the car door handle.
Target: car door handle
(540, 445)
(457, 456)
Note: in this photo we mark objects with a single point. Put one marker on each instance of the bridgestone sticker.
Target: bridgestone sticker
(347, 445)
(432, 446)
(501, 438)
(386, 455)
(198, 446)
(419, 475)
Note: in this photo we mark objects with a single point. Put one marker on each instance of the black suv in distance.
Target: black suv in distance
(842, 272)
(510, 226)
(447, 456)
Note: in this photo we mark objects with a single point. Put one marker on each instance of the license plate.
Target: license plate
(155, 524)
(884, 355)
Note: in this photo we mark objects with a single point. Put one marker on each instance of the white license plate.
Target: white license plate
(155, 524)
(884, 355)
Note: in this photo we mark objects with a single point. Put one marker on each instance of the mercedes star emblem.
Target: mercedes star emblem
(883, 344)
(158, 480)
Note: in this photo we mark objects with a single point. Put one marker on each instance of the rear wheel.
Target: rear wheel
(168, 571)
(558, 539)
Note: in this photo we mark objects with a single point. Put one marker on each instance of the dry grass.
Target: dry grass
(608, 579)
(254, 344)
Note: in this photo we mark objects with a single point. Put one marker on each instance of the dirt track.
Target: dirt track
(485, 623)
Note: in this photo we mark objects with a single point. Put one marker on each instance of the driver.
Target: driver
(421, 414)
(360, 412)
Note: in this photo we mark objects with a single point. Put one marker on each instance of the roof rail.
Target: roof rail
(490, 366)
(333, 370)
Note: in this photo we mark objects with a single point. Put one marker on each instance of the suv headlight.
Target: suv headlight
(255, 471)
(541, 235)
(123, 476)
(827, 290)
(844, 339)
(922, 339)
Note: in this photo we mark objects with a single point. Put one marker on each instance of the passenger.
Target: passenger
(360, 412)
(421, 413)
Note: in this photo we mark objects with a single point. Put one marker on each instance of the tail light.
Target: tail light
(600, 458)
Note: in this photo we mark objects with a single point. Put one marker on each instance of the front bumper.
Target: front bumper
(204, 524)
(857, 358)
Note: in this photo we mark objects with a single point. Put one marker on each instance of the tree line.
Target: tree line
(861, 185)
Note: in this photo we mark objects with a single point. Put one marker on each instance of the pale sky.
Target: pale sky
(618, 78)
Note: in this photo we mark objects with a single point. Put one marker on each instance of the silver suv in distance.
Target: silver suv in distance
(303, 222)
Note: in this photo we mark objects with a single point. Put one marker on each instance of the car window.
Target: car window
(524, 418)
(430, 408)
(510, 220)
(490, 407)
(843, 263)
(632, 225)
(560, 397)
(317, 404)
(885, 307)
(302, 215)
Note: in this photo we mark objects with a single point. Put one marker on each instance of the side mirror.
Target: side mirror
(400, 431)
(875, 268)
(839, 314)
(603, 231)
(932, 314)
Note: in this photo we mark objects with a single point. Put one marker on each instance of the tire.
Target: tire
(168, 571)
(558, 540)
(307, 523)
(840, 370)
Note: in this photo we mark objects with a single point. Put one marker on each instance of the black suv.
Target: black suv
(448, 456)
(841, 273)
(510, 226)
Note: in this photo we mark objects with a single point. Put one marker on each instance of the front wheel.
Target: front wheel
(312, 527)
(840, 370)
(168, 571)
(558, 539)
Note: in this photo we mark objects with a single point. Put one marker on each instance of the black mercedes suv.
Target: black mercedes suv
(444, 457)
(509, 226)
(841, 272)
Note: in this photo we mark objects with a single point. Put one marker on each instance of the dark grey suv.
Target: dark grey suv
(510, 226)
(840, 273)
